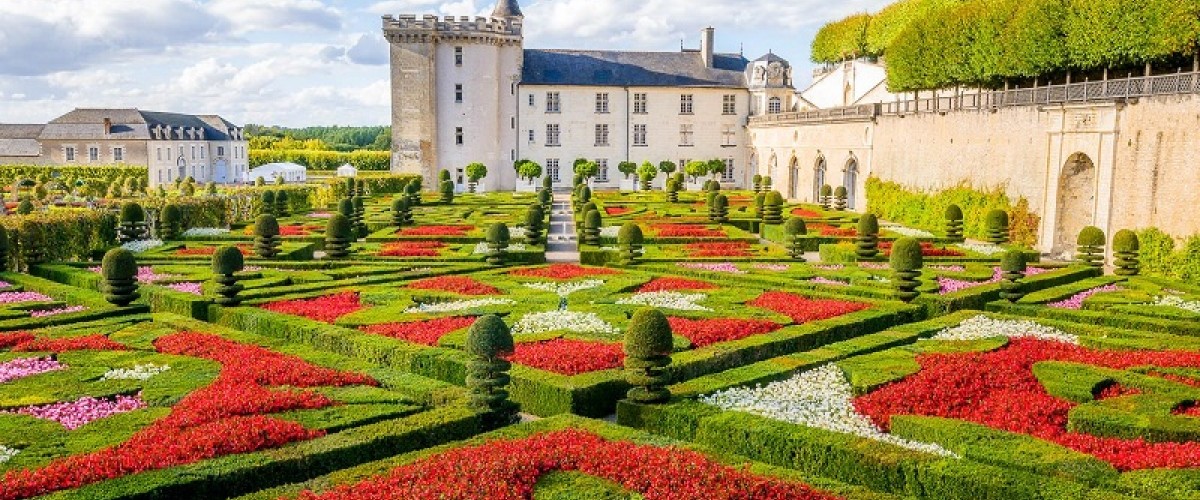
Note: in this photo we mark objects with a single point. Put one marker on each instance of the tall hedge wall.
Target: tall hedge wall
(896, 203)
(841, 40)
(323, 160)
(57, 236)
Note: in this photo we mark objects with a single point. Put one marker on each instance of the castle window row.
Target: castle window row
(641, 135)
(117, 154)
(687, 102)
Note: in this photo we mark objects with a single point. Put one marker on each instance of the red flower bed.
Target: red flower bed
(927, 249)
(10, 339)
(88, 343)
(833, 231)
(563, 272)
(458, 230)
(806, 213)
(325, 309)
(427, 332)
(617, 211)
(718, 249)
(706, 332)
(1116, 390)
(803, 309)
(208, 251)
(227, 417)
(675, 284)
(462, 285)
(569, 357)
(686, 231)
(290, 230)
(412, 249)
(998, 389)
(508, 469)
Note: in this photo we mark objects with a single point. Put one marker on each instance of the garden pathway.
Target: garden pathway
(562, 245)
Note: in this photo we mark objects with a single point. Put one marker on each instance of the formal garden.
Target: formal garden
(389, 337)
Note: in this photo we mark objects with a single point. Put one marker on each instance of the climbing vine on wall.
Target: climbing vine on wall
(920, 208)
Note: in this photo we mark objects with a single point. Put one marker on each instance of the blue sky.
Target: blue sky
(323, 62)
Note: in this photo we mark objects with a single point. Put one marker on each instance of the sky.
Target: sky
(324, 62)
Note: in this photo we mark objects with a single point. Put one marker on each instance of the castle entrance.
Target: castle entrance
(1076, 201)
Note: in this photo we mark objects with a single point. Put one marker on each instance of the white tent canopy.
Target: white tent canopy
(290, 172)
(347, 170)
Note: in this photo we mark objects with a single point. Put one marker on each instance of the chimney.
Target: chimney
(107, 126)
(706, 45)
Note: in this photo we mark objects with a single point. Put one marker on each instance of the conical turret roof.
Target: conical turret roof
(507, 8)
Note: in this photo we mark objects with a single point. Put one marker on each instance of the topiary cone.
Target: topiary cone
(648, 347)
(997, 227)
(489, 341)
(497, 240)
(867, 242)
(629, 241)
(840, 195)
(534, 224)
(773, 208)
(338, 236)
(1013, 265)
(119, 270)
(826, 195)
(267, 240)
(907, 261)
(1126, 248)
(1091, 247)
(401, 213)
(591, 227)
(227, 261)
(170, 220)
(796, 230)
(360, 217)
(281, 204)
(447, 189)
(954, 224)
(267, 203)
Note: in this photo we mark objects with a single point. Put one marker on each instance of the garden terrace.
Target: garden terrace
(1142, 303)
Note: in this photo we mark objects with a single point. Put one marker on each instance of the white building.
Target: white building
(466, 90)
(347, 170)
(290, 172)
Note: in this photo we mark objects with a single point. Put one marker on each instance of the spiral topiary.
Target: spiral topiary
(773, 208)
(758, 183)
(954, 224)
(867, 242)
(497, 240)
(826, 197)
(266, 236)
(1091, 247)
(839, 196)
(796, 229)
(585, 194)
(170, 222)
(401, 213)
(535, 223)
(227, 261)
(720, 209)
(907, 261)
(1013, 265)
(267, 203)
(997, 227)
(672, 191)
(339, 233)
(360, 216)
(119, 270)
(489, 342)
(447, 189)
(545, 198)
(648, 347)
(591, 227)
(767, 183)
(346, 208)
(548, 183)
(413, 190)
(629, 243)
(351, 187)
(282, 208)
(133, 223)
(1126, 248)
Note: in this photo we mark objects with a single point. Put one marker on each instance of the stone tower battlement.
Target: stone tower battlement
(431, 29)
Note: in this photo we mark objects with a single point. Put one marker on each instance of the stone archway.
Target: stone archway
(773, 169)
(819, 178)
(794, 177)
(1076, 201)
(850, 181)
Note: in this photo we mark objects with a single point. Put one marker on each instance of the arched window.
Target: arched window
(774, 106)
(773, 169)
(850, 181)
(818, 178)
(794, 179)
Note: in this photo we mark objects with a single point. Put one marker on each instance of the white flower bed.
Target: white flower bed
(563, 321)
(138, 372)
(908, 231)
(205, 231)
(1178, 302)
(983, 327)
(819, 398)
(610, 231)
(7, 453)
(458, 305)
(667, 300)
(482, 248)
(565, 289)
(142, 245)
(983, 248)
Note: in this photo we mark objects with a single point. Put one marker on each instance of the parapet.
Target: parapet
(408, 28)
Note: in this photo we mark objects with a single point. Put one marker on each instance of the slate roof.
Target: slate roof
(632, 69)
(507, 8)
(20, 140)
(130, 124)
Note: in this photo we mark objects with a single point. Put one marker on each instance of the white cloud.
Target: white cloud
(251, 15)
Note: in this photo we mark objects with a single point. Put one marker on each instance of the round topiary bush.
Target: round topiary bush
(954, 224)
(1126, 249)
(25, 207)
(629, 242)
(758, 183)
(997, 227)
(535, 222)
(907, 261)
(401, 213)
(489, 342)
(497, 240)
(796, 230)
(132, 212)
(773, 208)
(447, 189)
(1014, 266)
(867, 242)
(267, 240)
(413, 190)
(338, 236)
(648, 347)
(591, 227)
(227, 261)
(547, 183)
(1090, 248)
(827, 197)
(839, 196)
(119, 270)
(267, 203)
(170, 222)
(133, 223)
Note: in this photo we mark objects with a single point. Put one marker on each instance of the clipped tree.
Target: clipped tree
(282, 209)
(679, 180)
(280, 181)
(535, 223)
(170, 222)
(997, 227)
(260, 182)
(338, 236)
(796, 229)
(773, 208)
(133, 223)
(267, 240)
(758, 178)
(672, 191)
(187, 190)
(1013, 265)
(767, 183)
(826, 197)
(760, 200)
(447, 190)
(591, 227)
(585, 195)
(210, 189)
(648, 347)
(867, 242)
(497, 240)
(360, 216)
(1126, 247)
(443, 176)
(954, 224)
(545, 198)
(646, 173)
(351, 187)
(667, 167)
(1091, 247)
(839, 198)
(25, 207)
(907, 261)
(120, 271)
(629, 243)
(529, 170)
(489, 343)
(627, 168)
(720, 209)
(696, 169)
(475, 173)
(266, 204)
(548, 183)
(401, 212)
(227, 261)
(413, 191)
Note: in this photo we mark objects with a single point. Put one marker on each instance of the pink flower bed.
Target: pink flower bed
(192, 288)
(829, 267)
(19, 297)
(55, 312)
(826, 281)
(85, 410)
(773, 267)
(26, 367)
(877, 266)
(949, 269)
(145, 274)
(716, 267)
(1076, 301)
(951, 285)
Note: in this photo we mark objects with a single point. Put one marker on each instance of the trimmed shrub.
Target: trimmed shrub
(839, 196)
(1125, 248)
(767, 183)
(413, 190)
(672, 191)
(489, 342)
(170, 221)
(759, 200)
(119, 270)
(401, 213)
(648, 346)
(360, 216)
(535, 220)
(591, 227)
(444, 175)
(25, 207)
(547, 183)
(773, 208)
(796, 229)
(719, 212)
(545, 198)
(267, 240)
(447, 189)
(954, 224)
(338, 235)
(227, 261)
(827, 197)
(133, 223)
(585, 194)
(867, 242)
(346, 208)
(1013, 265)
(758, 179)
(907, 261)
(281, 204)
(497, 240)
(1090, 248)
(629, 241)
(267, 203)
(997, 227)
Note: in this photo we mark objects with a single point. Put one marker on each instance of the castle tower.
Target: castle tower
(454, 93)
